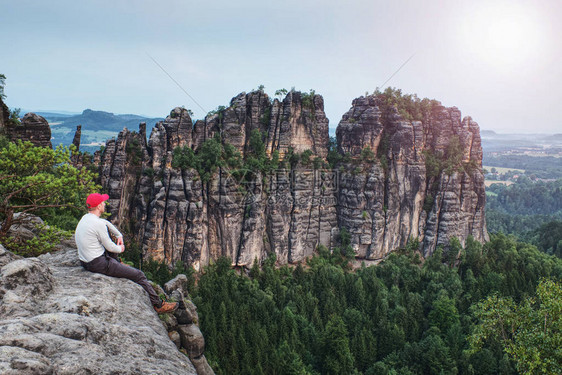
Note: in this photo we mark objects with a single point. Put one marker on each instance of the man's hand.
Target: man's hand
(121, 244)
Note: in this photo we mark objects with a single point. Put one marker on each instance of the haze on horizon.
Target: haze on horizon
(497, 61)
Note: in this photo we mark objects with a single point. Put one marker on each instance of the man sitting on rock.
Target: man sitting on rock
(98, 253)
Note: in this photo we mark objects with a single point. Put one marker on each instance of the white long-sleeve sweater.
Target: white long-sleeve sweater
(92, 238)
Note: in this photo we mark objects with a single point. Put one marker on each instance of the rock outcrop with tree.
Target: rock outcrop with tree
(262, 176)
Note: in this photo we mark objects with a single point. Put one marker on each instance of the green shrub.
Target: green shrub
(206, 161)
(45, 241)
(184, 158)
(307, 99)
(38, 178)
(367, 155)
(449, 162)
(432, 164)
(218, 111)
(292, 157)
(334, 157)
(149, 172)
(266, 117)
(134, 151)
(305, 157)
(428, 203)
(409, 106)
(14, 119)
(318, 162)
(281, 92)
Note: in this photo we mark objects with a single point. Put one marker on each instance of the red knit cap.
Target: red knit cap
(95, 199)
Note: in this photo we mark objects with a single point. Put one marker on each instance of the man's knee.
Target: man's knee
(132, 273)
(117, 269)
(139, 275)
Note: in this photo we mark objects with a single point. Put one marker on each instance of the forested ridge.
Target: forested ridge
(404, 316)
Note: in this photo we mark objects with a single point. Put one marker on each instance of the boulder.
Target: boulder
(26, 226)
(22, 361)
(182, 314)
(192, 340)
(7, 256)
(57, 318)
(178, 282)
(176, 339)
(202, 366)
(170, 322)
(192, 309)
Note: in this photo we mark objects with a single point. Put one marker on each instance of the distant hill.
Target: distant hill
(484, 133)
(519, 143)
(46, 113)
(97, 126)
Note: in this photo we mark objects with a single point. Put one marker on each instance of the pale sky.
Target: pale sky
(497, 61)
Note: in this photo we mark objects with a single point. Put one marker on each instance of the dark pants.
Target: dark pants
(108, 264)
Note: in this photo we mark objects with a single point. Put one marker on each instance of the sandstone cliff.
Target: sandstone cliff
(57, 318)
(33, 128)
(393, 182)
(384, 203)
(4, 116)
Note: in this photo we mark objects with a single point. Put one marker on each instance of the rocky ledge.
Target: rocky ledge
(57, 318)
(33, 128)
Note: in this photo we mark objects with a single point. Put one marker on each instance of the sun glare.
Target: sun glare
(508, 35)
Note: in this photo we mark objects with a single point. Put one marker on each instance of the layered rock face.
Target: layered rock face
(33, 128)
(4, 116)
(77, 135)
(381, 192)
(385, 203)
(57, 318)
(177, 216)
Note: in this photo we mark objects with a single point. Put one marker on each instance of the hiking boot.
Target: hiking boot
(167, 307)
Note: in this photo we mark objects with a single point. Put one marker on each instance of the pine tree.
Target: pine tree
(336, 356)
